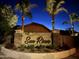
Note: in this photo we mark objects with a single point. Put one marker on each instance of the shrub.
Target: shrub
(22, 47)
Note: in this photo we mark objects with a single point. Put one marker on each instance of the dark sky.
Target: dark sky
(42, 17)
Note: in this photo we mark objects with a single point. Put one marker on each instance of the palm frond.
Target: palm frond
(49, 10)
(74, 16)
(31, 6)
(60, 9)
(75, 20)
(50, 1)
(65, 22)
(28, 14)
(26, 2)
(50, 4)
(17, 7)
(59, 4)
(25, 8)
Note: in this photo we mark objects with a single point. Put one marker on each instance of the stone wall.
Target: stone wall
(61, 40)
(32, 38)
(35, 38)
(18, 38)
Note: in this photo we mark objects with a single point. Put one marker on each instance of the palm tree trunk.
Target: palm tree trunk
(72, 26)
(53, 21)
(53, 38)
(72, 29)
(23, 23)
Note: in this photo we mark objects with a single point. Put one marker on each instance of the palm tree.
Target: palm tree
(24, 6)
(54, 7)
(73, 18)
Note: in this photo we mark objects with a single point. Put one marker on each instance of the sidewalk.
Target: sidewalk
(72, 57)
(75, 56)
(2, 56)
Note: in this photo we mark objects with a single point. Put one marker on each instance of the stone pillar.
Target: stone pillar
(56, 38)
(18, 38)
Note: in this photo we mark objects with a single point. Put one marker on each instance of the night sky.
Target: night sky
(42, 17)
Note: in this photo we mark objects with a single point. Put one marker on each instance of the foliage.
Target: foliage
(7, 21)
(54, 7)
(25, 8)
(73, 18)
(21, 48)
(7, 18)
(4, 27)
(30, 47)
(9, 15)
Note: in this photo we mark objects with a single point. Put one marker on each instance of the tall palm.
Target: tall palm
(24, 6)
(54, 7)
(73, 18)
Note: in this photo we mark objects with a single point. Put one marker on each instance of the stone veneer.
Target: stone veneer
(20, 37)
